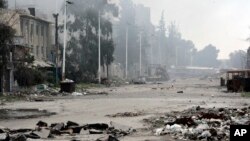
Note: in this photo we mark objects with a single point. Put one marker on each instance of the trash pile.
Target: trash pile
(201, 124)
(43, 131)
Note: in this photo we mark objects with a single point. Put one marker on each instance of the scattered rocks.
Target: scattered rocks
(200, 124)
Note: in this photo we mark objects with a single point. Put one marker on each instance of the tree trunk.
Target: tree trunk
(2, 81)
(107, 71)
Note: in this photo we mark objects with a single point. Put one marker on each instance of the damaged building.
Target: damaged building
(33, 35)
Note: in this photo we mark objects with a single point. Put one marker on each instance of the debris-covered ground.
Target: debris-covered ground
(56, 130)
(211, 124)
(129, 105)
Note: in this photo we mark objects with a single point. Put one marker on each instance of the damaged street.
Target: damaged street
(149, 110)
(124, 70)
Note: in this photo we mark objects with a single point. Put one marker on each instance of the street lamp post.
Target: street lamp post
(56, 45)
(99, 47)
(65, 37)
(140, 54)
(126, 73)
(64, 40)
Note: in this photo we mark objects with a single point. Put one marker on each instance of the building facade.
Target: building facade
(36, 32)
(33, 36)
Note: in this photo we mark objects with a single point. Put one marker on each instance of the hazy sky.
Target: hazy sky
(223, 23)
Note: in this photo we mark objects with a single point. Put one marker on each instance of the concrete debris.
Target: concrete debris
(159, 131)
(71, 124)
(97, 126)
(94, 131)
(199, 123)
(42, 124)
(126, 114)
(42, 131)
(108, 138)
(2, 131)
(119, 130)
(4, 137)
(77, 94)
(19, 137)
(16, 131)
(180, 92)
(56, 127)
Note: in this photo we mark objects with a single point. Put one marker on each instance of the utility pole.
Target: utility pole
(99, 47)
(140, 53)
(126, 73)
(56, 45)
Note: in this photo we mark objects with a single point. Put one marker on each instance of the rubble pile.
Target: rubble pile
(44, 131)
(201, 124)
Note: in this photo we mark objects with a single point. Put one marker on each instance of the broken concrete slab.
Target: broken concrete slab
(107, 138)
(97, 126)
(119, 130)
(43, 133)
(57, 126)
(76, 129)
(19, 137)
(4, 137)
(16, 131)
(94, 131)
(2, 131)
(42, 124)
(70, 124)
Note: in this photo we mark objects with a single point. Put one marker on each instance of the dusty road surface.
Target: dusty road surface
(149, 99)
